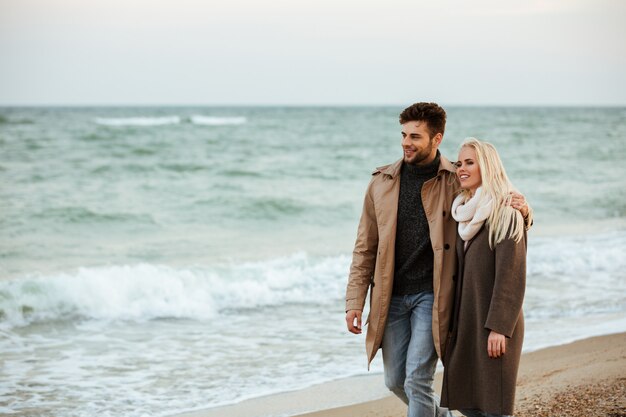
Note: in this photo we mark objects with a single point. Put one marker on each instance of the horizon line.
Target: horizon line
(303, 105)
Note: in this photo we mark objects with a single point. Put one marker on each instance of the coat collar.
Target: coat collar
(393, 170)
(469, 242)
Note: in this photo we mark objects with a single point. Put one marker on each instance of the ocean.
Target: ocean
(166, 259)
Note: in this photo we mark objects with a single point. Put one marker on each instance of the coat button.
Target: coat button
(444, 213)
(446, 246)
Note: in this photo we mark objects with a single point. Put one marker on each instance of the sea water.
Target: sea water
(157, 260)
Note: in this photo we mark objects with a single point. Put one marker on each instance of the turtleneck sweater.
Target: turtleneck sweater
(413, 272)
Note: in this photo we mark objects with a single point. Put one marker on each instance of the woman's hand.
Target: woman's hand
(496, 345)
(518, 202)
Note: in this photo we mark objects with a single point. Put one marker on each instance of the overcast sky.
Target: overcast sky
(249, 52)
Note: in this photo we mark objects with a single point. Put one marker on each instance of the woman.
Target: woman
(485, 341)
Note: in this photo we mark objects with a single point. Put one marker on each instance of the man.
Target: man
(404, 253)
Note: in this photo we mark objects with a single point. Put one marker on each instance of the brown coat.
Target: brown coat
(373, 256)
(489, 296)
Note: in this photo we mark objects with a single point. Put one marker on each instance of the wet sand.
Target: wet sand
(584, 378)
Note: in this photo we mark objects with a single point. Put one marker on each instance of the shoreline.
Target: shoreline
(593, 366)
(322, 396)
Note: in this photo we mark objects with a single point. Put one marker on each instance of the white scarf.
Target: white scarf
(470, 216)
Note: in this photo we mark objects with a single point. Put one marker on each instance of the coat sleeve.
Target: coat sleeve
(509, 286)
(364, 255)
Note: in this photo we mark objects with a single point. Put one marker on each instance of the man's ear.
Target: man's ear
(438, 138)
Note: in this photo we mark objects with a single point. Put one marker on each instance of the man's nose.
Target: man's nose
(406, 141)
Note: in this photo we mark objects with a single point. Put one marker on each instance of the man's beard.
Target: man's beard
(420, 156)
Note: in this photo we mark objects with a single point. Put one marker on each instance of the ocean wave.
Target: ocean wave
(217, 121)
(235, 172)
(271, 208)
(139, 121)
(4, 120)
(576, 275)
(171, 120)
(567, 277)
(182, 167)
(85, 215)
(98, 137)
(145, 291)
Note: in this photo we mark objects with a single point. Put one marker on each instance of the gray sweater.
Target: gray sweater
(413, 272)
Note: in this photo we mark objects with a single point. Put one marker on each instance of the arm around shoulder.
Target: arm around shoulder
(518, 202)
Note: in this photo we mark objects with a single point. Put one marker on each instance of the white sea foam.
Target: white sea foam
(139, 121)
(566, 278)
(144, 291)
(171, 120)
(217, 121)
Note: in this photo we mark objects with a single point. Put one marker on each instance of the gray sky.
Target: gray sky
(527, 52)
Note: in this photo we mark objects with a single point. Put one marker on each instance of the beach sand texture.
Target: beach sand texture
(584, 378)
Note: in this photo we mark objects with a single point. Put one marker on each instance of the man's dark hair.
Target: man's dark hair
(431, 113)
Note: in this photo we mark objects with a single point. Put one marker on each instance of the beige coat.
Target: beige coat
(489, 296)
(373, 256)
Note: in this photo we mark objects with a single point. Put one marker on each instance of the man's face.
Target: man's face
(419, 148)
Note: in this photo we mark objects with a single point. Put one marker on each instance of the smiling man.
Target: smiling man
(404, 253)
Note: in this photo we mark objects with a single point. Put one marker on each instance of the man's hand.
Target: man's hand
(518, 202)
(496, 345)
(353, 316)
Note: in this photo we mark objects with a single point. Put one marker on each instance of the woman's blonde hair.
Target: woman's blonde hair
(504, 221)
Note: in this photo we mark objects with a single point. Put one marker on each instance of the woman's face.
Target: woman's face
(468, 170)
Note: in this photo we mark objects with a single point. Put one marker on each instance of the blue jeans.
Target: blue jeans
(478, 413)
(409, 355)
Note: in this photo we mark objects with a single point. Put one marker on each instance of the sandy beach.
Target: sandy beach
(583, 378)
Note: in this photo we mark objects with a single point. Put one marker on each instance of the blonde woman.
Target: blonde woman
(485, 341)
